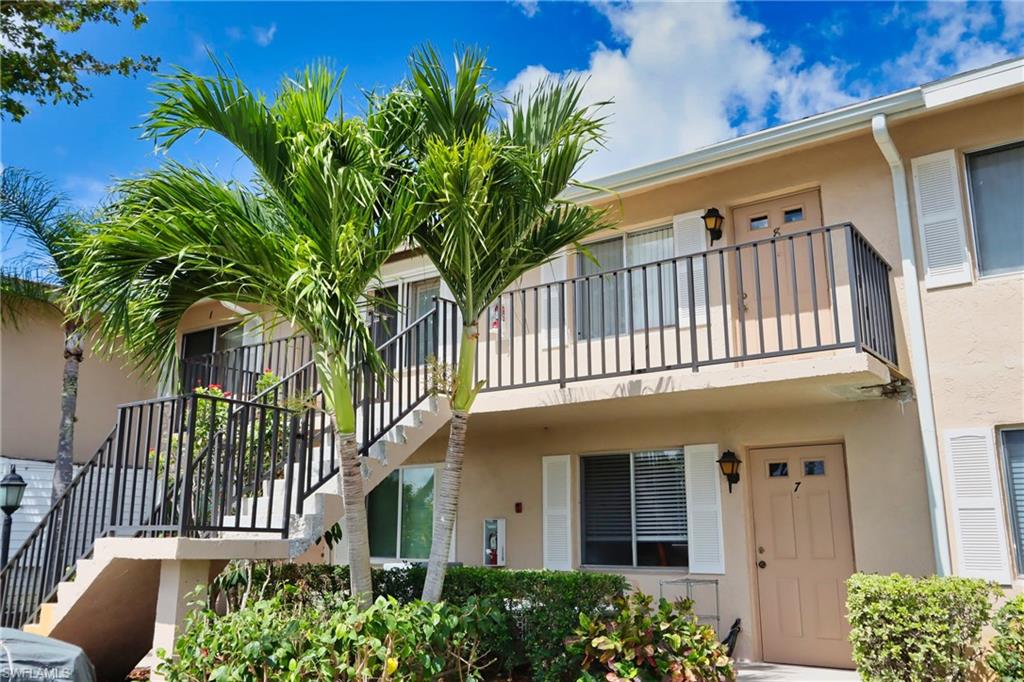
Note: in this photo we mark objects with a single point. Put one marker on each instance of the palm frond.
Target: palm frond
(20, 292)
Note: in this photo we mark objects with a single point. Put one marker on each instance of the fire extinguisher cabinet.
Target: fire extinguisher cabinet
(494, 542)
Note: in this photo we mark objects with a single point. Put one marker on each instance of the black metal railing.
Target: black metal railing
(204, 465)
(815, 291)
(161, 473)
(415, 356)
(238, 370)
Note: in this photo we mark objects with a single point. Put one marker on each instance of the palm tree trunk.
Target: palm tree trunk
(356, 529)
(333, 374)
(446, 508)
(63, 466)
(446, 504)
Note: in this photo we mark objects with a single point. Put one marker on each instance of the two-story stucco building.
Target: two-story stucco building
(854, 335)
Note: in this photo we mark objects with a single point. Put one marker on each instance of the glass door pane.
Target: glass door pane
(421, 302)
(417, 512)
(382, 517)
(650, 247)
(600, 298)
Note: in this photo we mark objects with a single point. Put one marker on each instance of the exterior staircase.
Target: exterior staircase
(187, 483)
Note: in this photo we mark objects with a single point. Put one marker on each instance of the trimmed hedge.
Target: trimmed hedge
(540, 609)
(916, 630)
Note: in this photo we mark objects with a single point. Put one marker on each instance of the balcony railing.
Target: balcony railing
(817, 291)
(237, 370)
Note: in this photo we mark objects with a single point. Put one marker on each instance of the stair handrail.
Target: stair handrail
(53, 517)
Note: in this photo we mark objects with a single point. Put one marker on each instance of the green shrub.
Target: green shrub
(636, 643)
(1007, 657)
(281, 639)
(538, 609)
(909, 630)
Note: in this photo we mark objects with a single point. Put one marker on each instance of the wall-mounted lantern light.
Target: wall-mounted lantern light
(729, 463)
(713, 220)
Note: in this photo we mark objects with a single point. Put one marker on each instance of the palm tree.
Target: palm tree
(329, 203)
(492, 191)
(38, 214)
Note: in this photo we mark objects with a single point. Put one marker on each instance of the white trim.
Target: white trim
(849, 119)
(919, 368)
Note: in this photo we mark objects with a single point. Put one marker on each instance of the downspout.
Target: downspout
(916, 342)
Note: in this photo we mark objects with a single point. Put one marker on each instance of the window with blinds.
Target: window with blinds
(634, 509)
(1013, 455)
(608, 302)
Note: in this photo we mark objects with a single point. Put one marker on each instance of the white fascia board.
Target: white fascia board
(982, 81)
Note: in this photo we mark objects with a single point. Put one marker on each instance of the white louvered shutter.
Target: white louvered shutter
(704, 509)
(557, 519)
(940, 219)
(689, 237)
(660, 496)
(555, 270)
(982, 542)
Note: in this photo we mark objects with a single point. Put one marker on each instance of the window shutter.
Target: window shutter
(555, 270)
(688, 232)
(557, 526)
(940, 219)
(982, 542)
(704, 509)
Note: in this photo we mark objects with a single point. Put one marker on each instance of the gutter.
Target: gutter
(916, 342)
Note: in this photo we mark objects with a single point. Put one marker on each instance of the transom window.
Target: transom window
(997, 203)
(1013, 460)
(634, 509)
(400, 514)
(609, 302)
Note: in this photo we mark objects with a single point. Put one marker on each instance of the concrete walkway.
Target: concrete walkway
(771, 672)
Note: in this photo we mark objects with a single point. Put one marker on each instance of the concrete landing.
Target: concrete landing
(772, 672)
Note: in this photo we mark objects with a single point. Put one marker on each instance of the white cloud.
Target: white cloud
(264, 35)
(689, 75)
(529, 7)
(85, 192)
(950, 38)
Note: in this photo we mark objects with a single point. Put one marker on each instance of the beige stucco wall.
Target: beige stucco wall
(975, 331)
(890, 529)
(31, 369)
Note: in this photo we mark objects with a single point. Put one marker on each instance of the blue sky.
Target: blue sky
(681, 75)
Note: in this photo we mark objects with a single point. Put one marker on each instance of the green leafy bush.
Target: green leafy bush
(1007, 657)
(910, 630)
(537, 610)
(281, 638)
(637, 643)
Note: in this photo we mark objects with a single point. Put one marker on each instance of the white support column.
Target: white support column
(178, 579)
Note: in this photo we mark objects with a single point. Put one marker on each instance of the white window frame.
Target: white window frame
(1016, 544)
(438, 468)
(968, 188)
(632, 501)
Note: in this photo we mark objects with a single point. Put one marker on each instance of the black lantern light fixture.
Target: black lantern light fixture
(713, 220)
(12, 489)
(729, 463)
